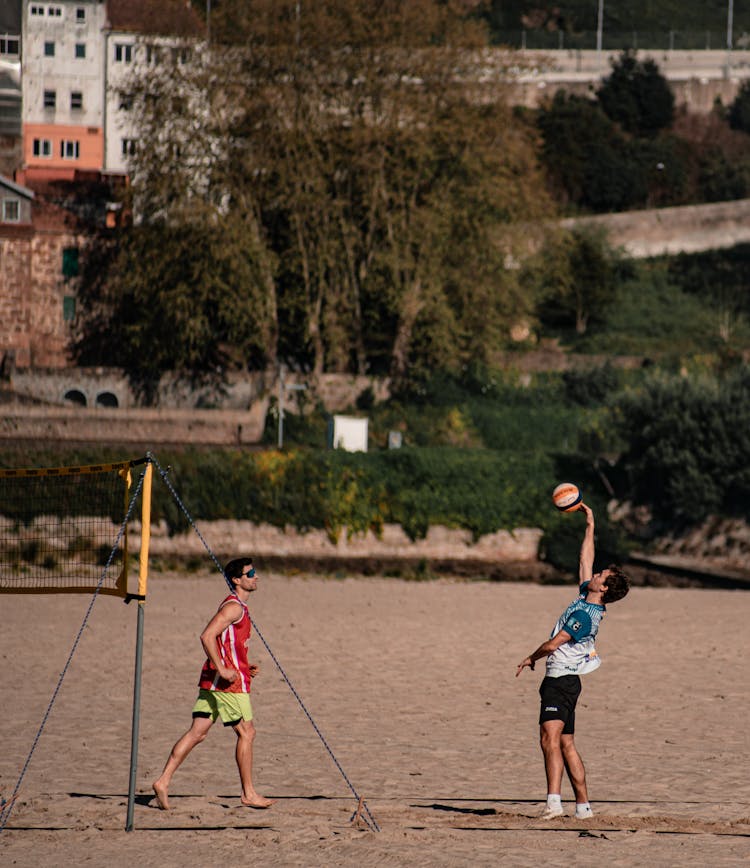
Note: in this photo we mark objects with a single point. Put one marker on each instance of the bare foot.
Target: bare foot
(162, 795)
(257, 802)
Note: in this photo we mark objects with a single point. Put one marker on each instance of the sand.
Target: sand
(413, 686)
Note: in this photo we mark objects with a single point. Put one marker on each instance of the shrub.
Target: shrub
(637, 96)
(589, 387)
(688, 445)
(739, 111)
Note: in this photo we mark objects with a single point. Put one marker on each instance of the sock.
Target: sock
(582, 807)
(554, 800)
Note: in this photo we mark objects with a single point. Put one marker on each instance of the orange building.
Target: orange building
(55, 151)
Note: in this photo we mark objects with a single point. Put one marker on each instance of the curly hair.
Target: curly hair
(234, 569)
(618, 584)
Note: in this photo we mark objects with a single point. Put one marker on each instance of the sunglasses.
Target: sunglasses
(249, 574)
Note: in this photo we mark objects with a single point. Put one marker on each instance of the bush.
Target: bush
(688, 445)
(721, 179)
(593, 386)
(653, 316)
(637, 96)
(580, 144)
(739, 111)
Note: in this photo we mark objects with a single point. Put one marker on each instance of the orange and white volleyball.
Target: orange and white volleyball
(566, 497)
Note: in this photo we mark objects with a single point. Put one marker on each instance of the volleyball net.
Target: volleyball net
(59, 529)
(64, 529)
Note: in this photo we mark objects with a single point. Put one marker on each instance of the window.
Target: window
(70, 262)
(126, 102)
(42, 148)
(11, 211)
(49, 49)
(76, 99)
(54, 11)
(9, 45)
(36, 10)
(69, 149)
(80, 49)
(50, 99)
(129, 147)
(80, 13)
(123, 52)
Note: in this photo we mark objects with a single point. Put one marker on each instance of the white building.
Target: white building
(76, 53)
(63, 87)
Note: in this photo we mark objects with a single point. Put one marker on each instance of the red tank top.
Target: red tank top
(233, 651)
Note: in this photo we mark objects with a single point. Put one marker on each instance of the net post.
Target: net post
(142, 582)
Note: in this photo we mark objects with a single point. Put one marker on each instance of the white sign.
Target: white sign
(350, 433)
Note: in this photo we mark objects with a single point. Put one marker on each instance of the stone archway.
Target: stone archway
(75, 396)
(107, 399)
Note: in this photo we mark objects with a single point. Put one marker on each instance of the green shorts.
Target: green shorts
(230, 707)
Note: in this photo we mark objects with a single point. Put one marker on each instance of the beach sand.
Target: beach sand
(413, 686)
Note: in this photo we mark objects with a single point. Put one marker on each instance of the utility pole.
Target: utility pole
(599, 34)
(730, 26)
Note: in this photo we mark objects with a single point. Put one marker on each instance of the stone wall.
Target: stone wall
(684, 229)
(504, 554)
(140, 427)
(33, 331)
(697, 78)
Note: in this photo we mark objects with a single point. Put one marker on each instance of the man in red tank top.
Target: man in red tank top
(224, 687)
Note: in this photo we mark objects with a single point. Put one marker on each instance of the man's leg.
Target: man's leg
(195, 735)
(245, 731)
(575, 768)
(550, 738)
(577, 774)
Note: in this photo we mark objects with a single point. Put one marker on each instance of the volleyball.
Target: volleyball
(566, 497)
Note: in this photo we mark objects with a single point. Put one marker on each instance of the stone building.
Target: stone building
(39, 245)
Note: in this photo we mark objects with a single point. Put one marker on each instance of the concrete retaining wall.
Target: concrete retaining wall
(146, 427)
(684, 229)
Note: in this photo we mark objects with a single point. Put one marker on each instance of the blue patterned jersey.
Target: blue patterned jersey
(578, 656)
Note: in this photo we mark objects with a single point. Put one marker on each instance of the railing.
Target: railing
(670, 40)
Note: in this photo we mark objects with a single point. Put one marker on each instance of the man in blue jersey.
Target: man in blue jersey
(570, 653)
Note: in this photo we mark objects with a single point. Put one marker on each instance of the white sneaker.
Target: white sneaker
(584, 814)
(550, 812)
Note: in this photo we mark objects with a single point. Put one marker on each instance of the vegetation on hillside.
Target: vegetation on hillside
(342, 197)
(367, 200)
(628, 148)
(676, 442)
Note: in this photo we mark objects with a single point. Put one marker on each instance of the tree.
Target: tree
(575, 276)
(637, 96)
(588, 161)
(687, 447)
(739, 111)
(353, 151)
(184, 298)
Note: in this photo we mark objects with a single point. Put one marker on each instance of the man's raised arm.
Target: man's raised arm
(586, 558)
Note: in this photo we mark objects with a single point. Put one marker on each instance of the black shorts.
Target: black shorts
(559, 697)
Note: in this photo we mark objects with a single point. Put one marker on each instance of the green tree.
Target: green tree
(184, 298)
(353, 149)
(687, 445)
(739, 111)
(637, 96)
(589, 163)
(576, 277)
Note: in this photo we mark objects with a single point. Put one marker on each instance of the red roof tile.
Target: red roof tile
(162, 17)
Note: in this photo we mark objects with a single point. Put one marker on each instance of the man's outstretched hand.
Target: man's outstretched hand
(527, 661)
